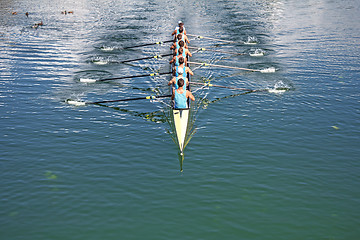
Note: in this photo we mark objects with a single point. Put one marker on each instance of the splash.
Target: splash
(279, 87)
(100, 61)
(87, 80)
(252, 40)
(268, 70)
(257, 53)
(75, 103)
(108, 48)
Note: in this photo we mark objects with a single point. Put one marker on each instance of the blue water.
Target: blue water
(263, 165)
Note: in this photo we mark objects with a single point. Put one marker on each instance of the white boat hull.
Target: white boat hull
(181, 117)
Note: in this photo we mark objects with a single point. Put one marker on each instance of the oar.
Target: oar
(274, 90)
(77, 103)
(88, 80)
(212, 50)
(213, 85)
(148, 44)
(210, 38)
(267, 70)
(156, 56)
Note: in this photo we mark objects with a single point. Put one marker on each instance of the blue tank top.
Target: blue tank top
(182, 37)
(177, 59)
(180, 100)
(176, 81)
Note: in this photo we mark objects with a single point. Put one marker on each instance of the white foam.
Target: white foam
(268, 70)
(87, 80)
(256, 54)
(276, 91)
(100, 62)
(107, 49)
(252, 40)
(76, 103)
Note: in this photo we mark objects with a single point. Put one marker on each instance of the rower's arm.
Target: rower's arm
(190, 72)
(189, 53)
(173, 94)
(190, 95)
(172, 81)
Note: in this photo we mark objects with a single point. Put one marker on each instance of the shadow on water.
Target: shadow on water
(166, 115)
(162, 116)
(157, 116)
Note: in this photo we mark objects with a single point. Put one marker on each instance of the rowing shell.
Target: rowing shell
(181, 119)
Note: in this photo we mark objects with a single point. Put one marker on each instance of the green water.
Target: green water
(261, 165)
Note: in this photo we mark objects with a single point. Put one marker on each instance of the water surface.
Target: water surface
(260, 166)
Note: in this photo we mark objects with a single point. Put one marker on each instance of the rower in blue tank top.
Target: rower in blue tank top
(178, 44)
(175, 80)
(181, 35)
(182, 70)
(175, 59)
(181, 95)
(185, 50)
(180, 99)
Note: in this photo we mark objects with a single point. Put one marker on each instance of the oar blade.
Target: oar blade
(87, 80)
(75, 103)
(268, 70)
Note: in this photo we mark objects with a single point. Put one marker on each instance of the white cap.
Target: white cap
(180, 22)
(180, 70)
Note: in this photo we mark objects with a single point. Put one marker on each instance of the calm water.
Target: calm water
(260, 166)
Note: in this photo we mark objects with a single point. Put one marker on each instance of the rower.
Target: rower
(182, 52)
(182, 69)
(174, 81)
(181, 95)
(176, 31)
(178, 44)
(183, 35)
(187, 52)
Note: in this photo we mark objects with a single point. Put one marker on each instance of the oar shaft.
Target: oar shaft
(148, 44)
(130, 99)
(219, 86)
(213, 50)
(156, 56)
(223, 66)
(210, 38)
(136, 76)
